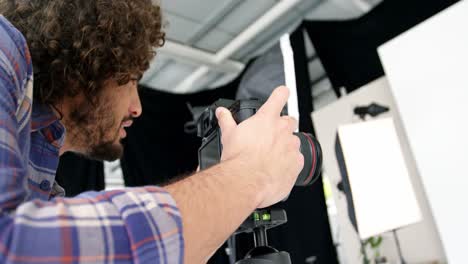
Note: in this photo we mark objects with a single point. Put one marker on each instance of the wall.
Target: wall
(420, 242)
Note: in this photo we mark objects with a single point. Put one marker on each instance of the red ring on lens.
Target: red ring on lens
(314, 160)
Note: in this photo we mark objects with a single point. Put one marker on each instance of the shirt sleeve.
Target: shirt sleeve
(135, 225)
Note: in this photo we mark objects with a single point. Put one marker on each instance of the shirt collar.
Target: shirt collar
(45, 121)
(42, 116)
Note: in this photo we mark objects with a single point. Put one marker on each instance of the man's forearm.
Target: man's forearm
(213, 203)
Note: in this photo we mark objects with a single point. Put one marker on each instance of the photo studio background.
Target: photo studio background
(231, 49)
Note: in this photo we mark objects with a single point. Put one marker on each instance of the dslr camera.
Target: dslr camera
(211, 148)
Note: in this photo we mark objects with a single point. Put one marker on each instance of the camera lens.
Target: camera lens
(312, 152)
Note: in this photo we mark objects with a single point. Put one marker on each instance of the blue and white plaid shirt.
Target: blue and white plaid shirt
(138, 225)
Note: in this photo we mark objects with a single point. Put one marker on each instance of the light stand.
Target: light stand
(397, 242)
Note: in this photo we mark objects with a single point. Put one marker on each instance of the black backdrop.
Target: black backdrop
(348, 49)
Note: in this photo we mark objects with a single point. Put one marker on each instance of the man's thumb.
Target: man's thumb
(225, 120)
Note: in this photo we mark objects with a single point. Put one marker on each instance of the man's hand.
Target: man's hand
(259, 165)
(265, 145)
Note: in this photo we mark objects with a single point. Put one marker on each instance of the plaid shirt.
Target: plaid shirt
(138, 225)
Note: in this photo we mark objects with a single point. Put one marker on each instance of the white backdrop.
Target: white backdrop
(427, 69)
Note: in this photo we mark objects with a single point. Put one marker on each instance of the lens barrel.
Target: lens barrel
(312, 152)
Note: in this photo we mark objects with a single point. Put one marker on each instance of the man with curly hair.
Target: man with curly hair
(68, 82)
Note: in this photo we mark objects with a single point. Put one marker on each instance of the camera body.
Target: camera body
(210, 151)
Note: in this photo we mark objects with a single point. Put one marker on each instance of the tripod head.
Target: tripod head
(258, 224)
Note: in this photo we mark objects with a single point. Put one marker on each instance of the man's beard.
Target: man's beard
(90, 130)
(108, 151)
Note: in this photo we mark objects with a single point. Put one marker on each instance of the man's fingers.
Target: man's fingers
(291, 123)
(225, 120)
(275, 104)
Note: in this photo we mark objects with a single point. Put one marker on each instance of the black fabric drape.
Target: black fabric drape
(156, 147)
(348, 49)
(77, 174)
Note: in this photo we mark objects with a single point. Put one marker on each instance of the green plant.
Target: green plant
(374, 243)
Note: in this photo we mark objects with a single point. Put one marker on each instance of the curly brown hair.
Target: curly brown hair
(76, 45)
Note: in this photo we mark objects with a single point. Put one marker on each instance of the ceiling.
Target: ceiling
(209, 42)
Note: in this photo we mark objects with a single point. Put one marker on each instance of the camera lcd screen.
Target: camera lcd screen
(210, 152)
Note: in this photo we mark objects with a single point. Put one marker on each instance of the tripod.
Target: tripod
(258, 224)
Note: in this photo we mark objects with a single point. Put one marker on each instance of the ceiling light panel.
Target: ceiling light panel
(244, 15)
(196, 11)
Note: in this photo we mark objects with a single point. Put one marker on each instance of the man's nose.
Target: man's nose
(135, 107)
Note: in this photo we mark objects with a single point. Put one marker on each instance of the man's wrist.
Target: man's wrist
(231, 189)
(250, 179)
